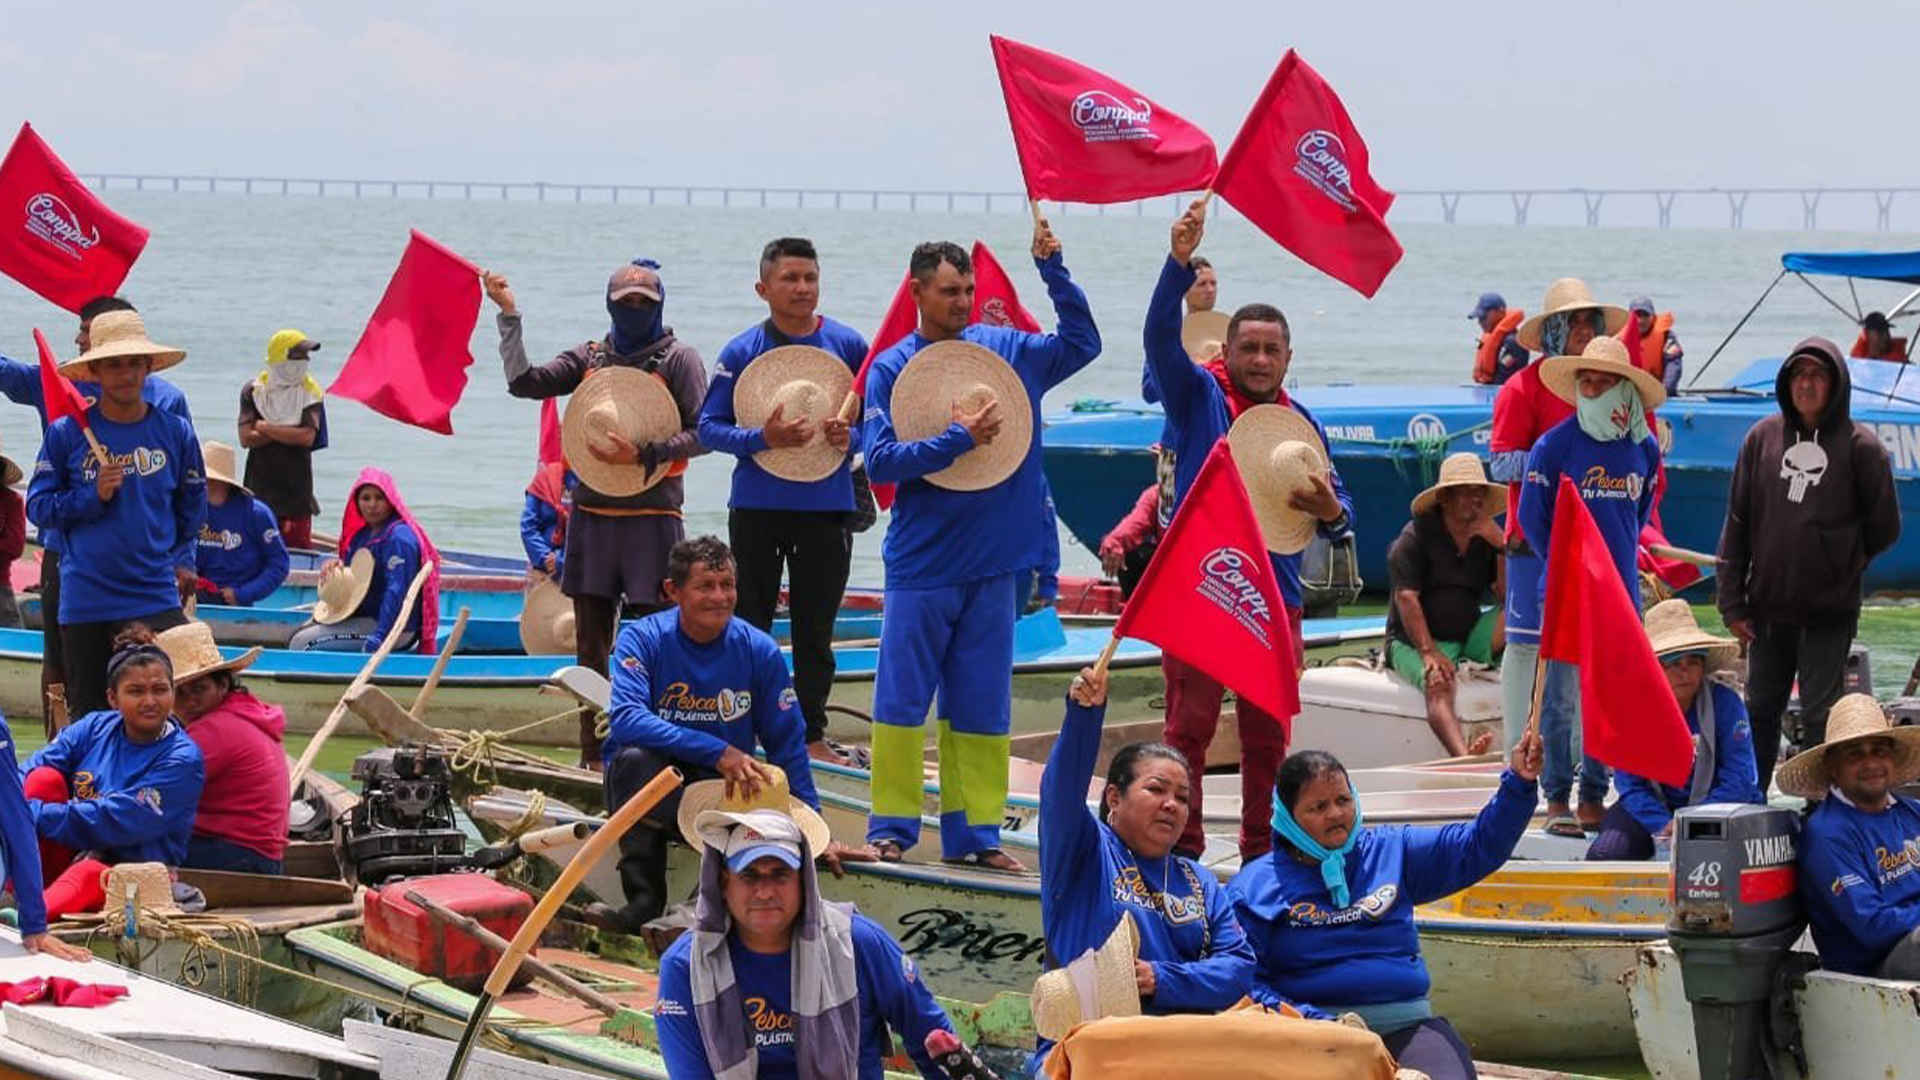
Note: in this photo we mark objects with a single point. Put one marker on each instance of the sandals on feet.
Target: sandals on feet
(1565, 825)
(887, 850)
(989, 859)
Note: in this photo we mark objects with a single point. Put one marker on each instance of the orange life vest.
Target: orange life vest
(1897, 350)
(1649, 353)
(1487, 359)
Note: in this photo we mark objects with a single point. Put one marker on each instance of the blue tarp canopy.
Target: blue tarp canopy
(1873, 265)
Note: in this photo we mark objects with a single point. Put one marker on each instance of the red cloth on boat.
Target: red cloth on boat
(71, 885)
(62, 992)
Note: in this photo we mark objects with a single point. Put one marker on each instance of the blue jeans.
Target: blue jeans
(1559, 722)
(212, 853)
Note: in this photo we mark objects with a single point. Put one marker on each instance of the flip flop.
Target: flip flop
(989, 859)
(1565, 825)
(887, 850)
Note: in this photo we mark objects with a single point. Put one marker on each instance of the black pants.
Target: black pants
(817, 552)
(53, 658)
(596, 621)
(1817, 655)
(90, 645)
(643, 848)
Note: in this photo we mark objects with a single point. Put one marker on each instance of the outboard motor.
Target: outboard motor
(404, 825)
(1735, 915)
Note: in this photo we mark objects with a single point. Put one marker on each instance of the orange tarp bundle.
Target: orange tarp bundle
(1246, 1043)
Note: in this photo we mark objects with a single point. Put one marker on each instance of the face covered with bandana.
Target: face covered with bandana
(634, 298)
(1609, 407)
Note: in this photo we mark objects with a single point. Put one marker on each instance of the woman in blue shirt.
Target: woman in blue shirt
(1329, 911)
(377, 520)
(20, 861)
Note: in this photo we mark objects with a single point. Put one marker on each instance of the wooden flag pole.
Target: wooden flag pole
(1034, 206)
(850, 408)
(99, 452)
(1539, 688)
(1106, 655)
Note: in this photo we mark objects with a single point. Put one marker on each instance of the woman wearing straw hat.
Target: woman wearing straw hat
(13, 537)
(1329, 912)
(1186, 952)
(242, 557)
(1860, 852)
(241, 823)
(1610, 454)
(382, 549)
(1723, 769)
(127, 525)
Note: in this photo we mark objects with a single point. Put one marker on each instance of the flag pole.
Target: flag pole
(1106, 656)
(850, 408)
(99, 452)
(1034, 206)
(1539, 689)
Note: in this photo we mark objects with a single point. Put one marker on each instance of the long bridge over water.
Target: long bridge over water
(1647, 205)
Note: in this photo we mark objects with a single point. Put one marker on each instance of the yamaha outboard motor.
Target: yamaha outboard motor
(404, 825)
(1735, 916)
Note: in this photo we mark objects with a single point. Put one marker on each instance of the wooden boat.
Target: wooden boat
(1850, 1027)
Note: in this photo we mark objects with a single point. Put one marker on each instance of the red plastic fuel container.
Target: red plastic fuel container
(406, 934)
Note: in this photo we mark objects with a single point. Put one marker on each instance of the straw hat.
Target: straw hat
(218, 458)
(342, 591)
(1561, 374)
(10, 473)
(1672, 629)
(120, 333)
(1853, 717)
(1201, 328)
(947, 373)
(808, 382)
(149, 885)
(1462, 470)
(1568, 294)
(1276, 450)
(546, 619)
(635, 403)
(191, 650)
(1057, 1006)
(706, 797)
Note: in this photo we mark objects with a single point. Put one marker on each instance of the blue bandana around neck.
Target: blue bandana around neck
(1333, 863)
(635, 328)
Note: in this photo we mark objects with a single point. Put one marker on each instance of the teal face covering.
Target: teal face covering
(1333, 863)
(1615, 414)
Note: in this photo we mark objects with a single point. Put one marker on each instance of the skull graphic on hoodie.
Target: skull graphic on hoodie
(1802, 466)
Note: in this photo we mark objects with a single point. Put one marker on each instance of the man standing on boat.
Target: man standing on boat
(616, 546)
(1201, 404)
(790, 508)
(1811, 503)
(953, 553)
(1498, 355)
(283, 420)
(1657, 349)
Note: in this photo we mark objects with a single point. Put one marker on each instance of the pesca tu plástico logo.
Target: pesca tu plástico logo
(52, 220)
(1103, 116)
(1320, 158)
(1368, 908)
(1224, 579)
(676, 702)
(224, 539)
(771, 1027)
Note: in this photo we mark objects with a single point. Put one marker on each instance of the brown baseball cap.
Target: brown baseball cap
(632, 279)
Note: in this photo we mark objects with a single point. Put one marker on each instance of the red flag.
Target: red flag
(66, 245)
(994, 300)
(411, 361)
(550, 432)
(1209, 597)
(1627, 712)
(1083, 137)
(902, 317)
(1298, 170)
(61, 396)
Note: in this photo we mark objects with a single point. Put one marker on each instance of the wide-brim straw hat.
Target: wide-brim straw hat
(806, 382)
(1056, 1004)
(1852, 718)
(704, 795)
(546, 619)
(1671, 629)
(219, 461)
(1276, 450)
(1200, 329)
(342, 591)
(191, 650)
(1568, 294)
(635, 403)
(1462, 470)
(947, 373)
(120, 333)
(1561, 374)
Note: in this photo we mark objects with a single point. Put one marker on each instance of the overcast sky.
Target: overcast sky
(902, 94)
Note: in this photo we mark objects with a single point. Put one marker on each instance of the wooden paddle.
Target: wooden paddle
(1668, 551)
(366, 675)
(440, 665)
(570, 877)
(472, 928)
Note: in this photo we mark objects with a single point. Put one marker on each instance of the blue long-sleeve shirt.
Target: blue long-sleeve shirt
(1736, 778)
(122, 552)
(754, 487)
(939, 537)
(240, 548)
(691, 701)
(1860, 880)
(892, 995)
(1615, 479)
(19, 843)
(133, 802)
(1198, 414)
(1323, 960)
(538, 522)
(396, 559)
(1088, 877)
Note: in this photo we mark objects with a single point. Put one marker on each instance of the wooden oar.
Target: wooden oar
(366, 675)
(491, 940)
(1668, 551)
(440, 665)
(570, 876)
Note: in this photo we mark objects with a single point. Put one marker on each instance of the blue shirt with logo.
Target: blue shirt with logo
(240, 548)
(396, 559)
(754, 487)
(892, 995)
(1860, 880)
(120, 553)
(690, 701)
(1614, 478)
(129, 801)
(19, 844)
(1736, 778)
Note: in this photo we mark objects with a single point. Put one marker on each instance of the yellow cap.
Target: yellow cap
(284, 342)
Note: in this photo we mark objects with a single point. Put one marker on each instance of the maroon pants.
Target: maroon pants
(1193, 711)
(296, 532)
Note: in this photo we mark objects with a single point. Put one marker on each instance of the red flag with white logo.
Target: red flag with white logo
(1209, 597)
(411, 361)
(994, 300)
(56, 237)
(1627, 713)
(1085, 137)
(1298, 170)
